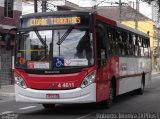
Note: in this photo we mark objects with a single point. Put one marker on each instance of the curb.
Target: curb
(6, 89)
(155, 73)
(7, 86)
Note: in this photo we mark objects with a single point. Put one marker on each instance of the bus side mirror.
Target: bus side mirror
(8, 41)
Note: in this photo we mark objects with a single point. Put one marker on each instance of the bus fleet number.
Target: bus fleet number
(66, 85)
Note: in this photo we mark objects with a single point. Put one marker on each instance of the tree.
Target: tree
(149, 1)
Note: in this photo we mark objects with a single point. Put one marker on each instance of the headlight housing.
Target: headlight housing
(89, 79)
(20, 82)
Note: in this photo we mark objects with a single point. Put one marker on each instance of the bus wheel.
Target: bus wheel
(141, 89)
(108, 103)
(48, 106)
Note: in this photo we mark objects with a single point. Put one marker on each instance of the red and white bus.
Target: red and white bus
(69, 57)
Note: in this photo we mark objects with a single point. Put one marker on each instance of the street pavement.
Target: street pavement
(7, 93)
(131, 105)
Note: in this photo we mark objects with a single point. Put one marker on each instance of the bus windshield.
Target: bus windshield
(50, 49)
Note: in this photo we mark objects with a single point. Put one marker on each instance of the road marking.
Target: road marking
(85, 115)
(6, 112)
(29, 107)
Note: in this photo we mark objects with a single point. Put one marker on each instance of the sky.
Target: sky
(144, 7)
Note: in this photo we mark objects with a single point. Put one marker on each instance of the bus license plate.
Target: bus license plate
(52, 96)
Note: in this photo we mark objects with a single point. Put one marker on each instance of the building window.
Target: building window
(8, 8)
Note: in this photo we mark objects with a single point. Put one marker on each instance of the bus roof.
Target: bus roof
(131, 29)
(40, 14)
(122, 26)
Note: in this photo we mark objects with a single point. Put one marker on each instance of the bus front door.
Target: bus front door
(102, 88)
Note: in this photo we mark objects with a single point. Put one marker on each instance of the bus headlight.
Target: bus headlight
(89, 79)
(20, 82)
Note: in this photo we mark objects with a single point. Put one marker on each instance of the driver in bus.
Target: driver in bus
(84, 47)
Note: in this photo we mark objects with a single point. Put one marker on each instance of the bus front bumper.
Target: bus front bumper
(78, 95)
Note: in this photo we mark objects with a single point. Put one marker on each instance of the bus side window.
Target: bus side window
(117, 48)
(146, 53)
(141, 47)
(120, 42)
(112, 41)
(149, 48)
(101, 43)
(136, 45)
(146, 47)
(131, 45)
(124, 39)
(127, 44)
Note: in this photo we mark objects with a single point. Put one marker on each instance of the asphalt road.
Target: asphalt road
(130, 105)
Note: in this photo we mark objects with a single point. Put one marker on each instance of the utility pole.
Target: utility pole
(120, 10)
(44, 5)
(35, 6)
(136, 15)
(158, 27)
(94, 6)
(158, 35)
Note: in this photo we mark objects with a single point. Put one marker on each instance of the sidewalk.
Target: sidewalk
(7, 93)
(155, 72)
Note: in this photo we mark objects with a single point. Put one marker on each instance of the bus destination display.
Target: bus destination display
(52, 21)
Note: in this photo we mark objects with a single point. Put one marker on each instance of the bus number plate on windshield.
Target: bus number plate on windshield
(52, 96)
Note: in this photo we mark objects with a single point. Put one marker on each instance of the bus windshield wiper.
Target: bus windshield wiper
(40, 38)
(60, 41)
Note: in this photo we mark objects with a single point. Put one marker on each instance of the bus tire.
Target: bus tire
(140, 91)
(48, 106)
(108, 103)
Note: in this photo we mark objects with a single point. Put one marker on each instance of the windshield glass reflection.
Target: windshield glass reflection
(49, 49)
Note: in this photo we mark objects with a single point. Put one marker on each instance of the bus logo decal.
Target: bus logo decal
(52, 86)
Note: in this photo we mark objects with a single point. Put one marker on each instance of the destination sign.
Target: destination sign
(53, 20)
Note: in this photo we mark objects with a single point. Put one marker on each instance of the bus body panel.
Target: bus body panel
(110, 70)
(105, 75)
(54, 81)
(78, 95)
(106, 20)
(44, 82)
(131, 70)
